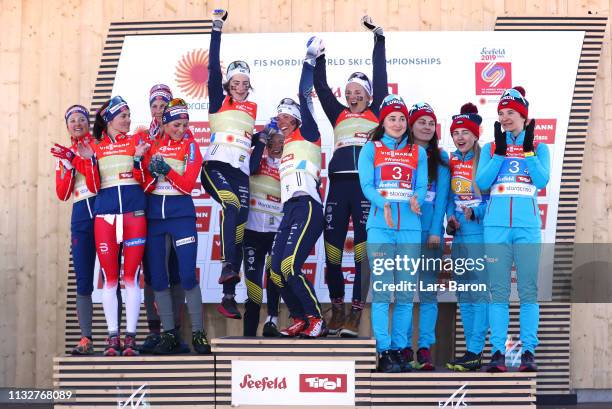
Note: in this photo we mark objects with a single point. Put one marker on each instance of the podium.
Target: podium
(199, 382)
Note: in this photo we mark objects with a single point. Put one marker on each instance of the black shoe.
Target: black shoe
(229, 308)
(229, 275)
(498, 363)
(528, 363)
(387, 362)
(169, 344)
(404, 365)
(468, 362)
(149, 344)
(200, 343)
(271, 330)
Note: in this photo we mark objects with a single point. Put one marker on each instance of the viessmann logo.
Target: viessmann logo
(323, 383)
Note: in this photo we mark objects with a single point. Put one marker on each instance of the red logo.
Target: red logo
(201, 133)
(492, 78)
(323, 188)
(542, 192)
(323, 383)
(215, 252)
(192, 73)
(263, 384)
(545, 130)
(310, 271)
(203, 218)
(198, 192)
(543, 208)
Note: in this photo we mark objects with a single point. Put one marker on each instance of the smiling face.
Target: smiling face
(286, 123)
(275, 145)
(157, 109)
(424, 129)
(511, 120)
(176, 129)
(395, 125)
(120, 123)
(239, 86)
(357, 98)
(464, 139)
(77, 125)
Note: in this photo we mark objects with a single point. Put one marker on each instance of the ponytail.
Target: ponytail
(99, 123)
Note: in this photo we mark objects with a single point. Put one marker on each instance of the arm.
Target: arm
(420, 188)
(309, 128)
(488, 168)
(92, 175)
(450, 201)
(64, 179)
(215, 77)
(331, 106)
(186, 181)
(143, 175)
(258, 150)
(539, 166)
(443, 186)
(366, 176)
(479, 211)
(379, 72)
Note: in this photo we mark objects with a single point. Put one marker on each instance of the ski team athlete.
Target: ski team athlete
(513, 168)
(302, 221)
(265, 214)
(120, 217)
(423, 121)
(70, 173)
(159, 97)
(225, 173)
(465, 212)
(171, 168)
(393, 176)
(345, 200)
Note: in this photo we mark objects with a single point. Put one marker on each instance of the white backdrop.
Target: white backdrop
(445, 69)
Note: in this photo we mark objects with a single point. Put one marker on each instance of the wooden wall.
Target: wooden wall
(49, 56)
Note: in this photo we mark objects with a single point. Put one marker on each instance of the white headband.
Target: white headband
(365, 84)
(290, 109)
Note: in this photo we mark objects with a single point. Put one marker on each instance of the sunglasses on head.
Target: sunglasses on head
(287, 101)
(514, 94)
(358, 75)
(238, 64)
(177, 102)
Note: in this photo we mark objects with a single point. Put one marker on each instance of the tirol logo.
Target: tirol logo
(192, 73)
(265, 383)
(329, 383)
(492, 78)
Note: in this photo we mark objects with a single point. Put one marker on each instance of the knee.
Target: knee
(333, 253)
(276, 279)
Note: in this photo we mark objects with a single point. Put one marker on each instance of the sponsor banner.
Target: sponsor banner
(485, 62)
(294, 383)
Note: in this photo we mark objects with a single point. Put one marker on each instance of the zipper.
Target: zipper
(399, 221)
(120, 202)
(89, 208)
(511, 212)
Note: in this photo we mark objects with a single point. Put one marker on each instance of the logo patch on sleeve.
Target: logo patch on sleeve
(186, 240)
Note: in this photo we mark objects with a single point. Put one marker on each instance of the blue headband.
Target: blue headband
(114, 108)
(76, 109)
(174, 113)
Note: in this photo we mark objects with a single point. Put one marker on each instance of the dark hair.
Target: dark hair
(99, 125)
(434, 158)
(226, 88)
(377, 133)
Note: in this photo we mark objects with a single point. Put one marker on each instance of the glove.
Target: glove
(152, 169)
(368, 24)
(160, 166)
(500, 140)
(61, 152)
(315, 48)
(528, 141)
(270, 129)
(218, 17)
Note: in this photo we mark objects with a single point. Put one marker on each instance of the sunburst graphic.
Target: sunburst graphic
(192, 73)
